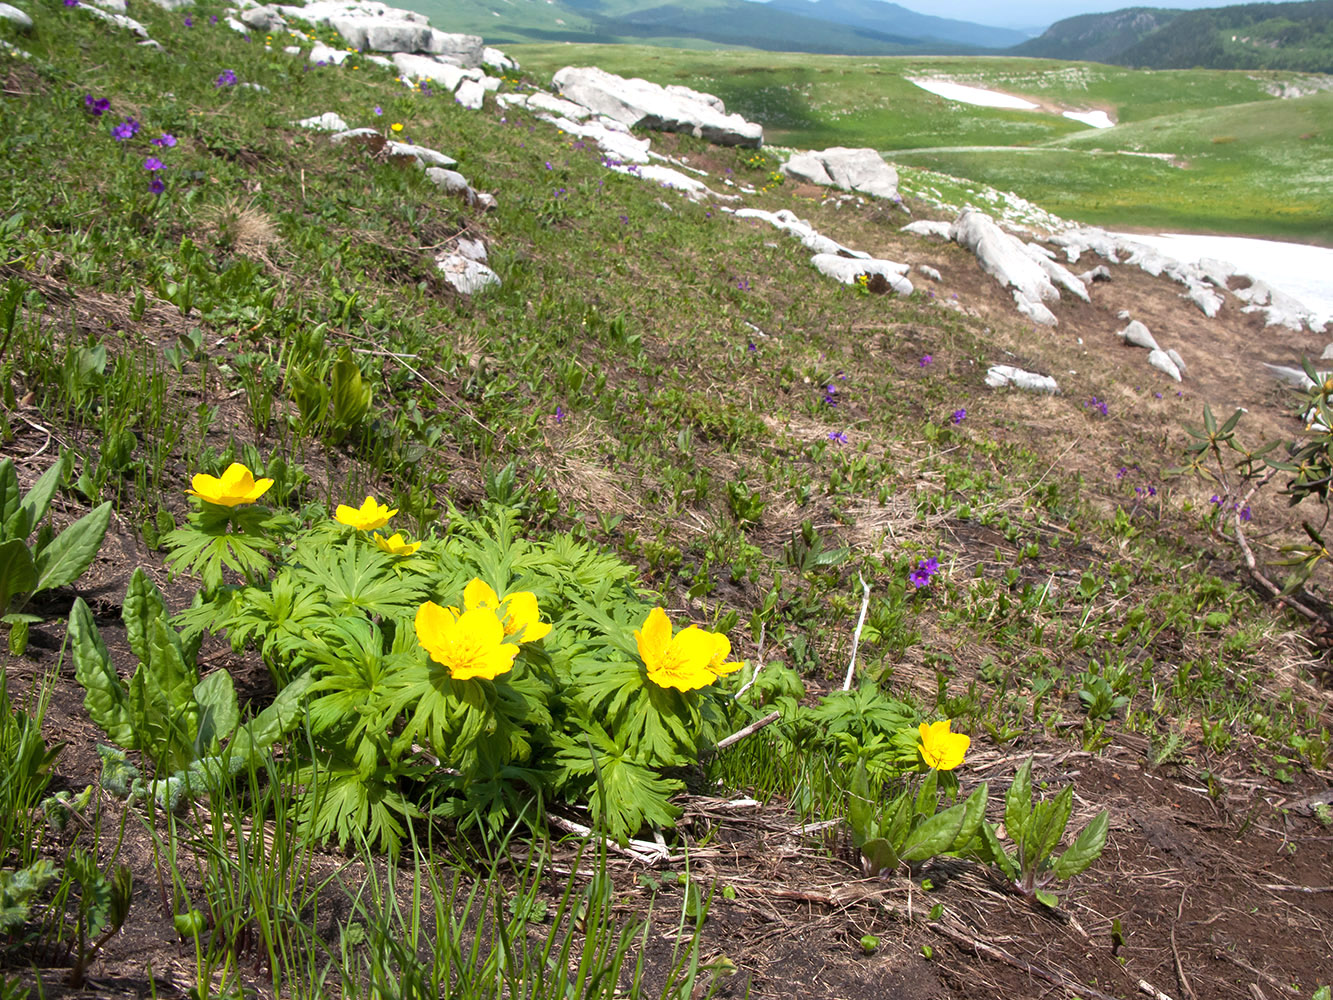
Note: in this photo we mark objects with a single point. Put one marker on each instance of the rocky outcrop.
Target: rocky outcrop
(16, 17)
(640, 104)
(1009, 261)
(377, 27)
(860, 170)
(849, 269)
(465, 267)
(787, 221)
(455, 183)
(999, 376)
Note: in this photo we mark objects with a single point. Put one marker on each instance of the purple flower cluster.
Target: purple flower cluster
(96, 106)
(831, 395)
(743, 284)
(166, 140)
(127, 129)
(959, 415)
(1243, 512)
(839, 436)
(925, 360)
(227, 78)
(1098, 406)
(925, 569)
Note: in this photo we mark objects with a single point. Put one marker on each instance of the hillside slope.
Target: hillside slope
(1263, 36)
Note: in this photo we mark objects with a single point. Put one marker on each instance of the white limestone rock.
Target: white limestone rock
(425, 157)
(999, 376)
(1176, 360)
(929, 227)
(640, 104)
(322, 55)
(446, 75)
(173, 4)
(1004, 257)
(1163, 363)
(470, 94)
(338, 138)
(452, 182)
(496, 59)
(16, 17)
(329, 121)
(929, 272)
(862, 170)
(1099, 273)
(558, 106)
(264, 18)
(14, 50)
(668, 177)
(119, 20)
(711, 100)
(1138, 335)
(787, 221)
(1034, 310)
(1278, 307)
(848, 269)
(467, 276)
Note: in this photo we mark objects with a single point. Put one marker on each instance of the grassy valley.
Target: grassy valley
(1225, 155)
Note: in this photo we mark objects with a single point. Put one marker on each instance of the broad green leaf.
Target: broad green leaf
(1047, 828)
(73, 550)
(860, 810)
(10, 500)
(144, 605)
(218, 713)
(934, 835)
(974, 811)
(273, 723)
(927, 798)
(1086, 848)
(38, 500)
(879, 855)
(105, 696)
(992, 852)
(1018, 803)
(17, 573)
(1047, 898)
(897, 818)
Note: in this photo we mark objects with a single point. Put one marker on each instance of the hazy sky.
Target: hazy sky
(1039, 13)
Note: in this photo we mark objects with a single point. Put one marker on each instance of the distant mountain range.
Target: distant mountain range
(1287, 36)
(851, 27)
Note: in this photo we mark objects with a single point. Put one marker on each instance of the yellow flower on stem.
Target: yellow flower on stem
(470, 645)
(395, 544)
(940, 748)
(235, 486)
(690, 659)
(518, 612)
(371, 514)
(397, 126)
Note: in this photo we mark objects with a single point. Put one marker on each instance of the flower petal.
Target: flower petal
(478, 594)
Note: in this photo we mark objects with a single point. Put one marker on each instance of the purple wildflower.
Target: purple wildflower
(838, 436)
(157, 185)
(1124, 471)
(743, 284)
(925, 569)
(1215, 500)
(96, 105)
(166, 140)
(153, 163)
(559, 414)
(959, 415)
(624, 220)
(1245, 513)
(378, 110)
(227, 78)
(830, 395)
(127, 129)
(925, 360)
(752, 348)
(213, 19)
(189, 21)
(548, 165)
(71, 3)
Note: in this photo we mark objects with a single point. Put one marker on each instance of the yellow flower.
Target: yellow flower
(691, 659)
(940, 748)
(369, 515)
(518, 612)
(395, 545)
(470, 645)
(397, 126)
(236, 486)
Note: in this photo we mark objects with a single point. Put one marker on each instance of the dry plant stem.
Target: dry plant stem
(642, 851)
(1149, 989)
(1175, 951)
(1268, 584)
(753, 727)
(759, 664)
(856, 639)
(1000, 955)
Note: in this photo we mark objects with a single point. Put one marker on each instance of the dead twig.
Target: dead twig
(753, 727)
(856, 639)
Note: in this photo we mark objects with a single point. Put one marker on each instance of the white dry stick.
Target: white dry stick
(759, 664)
(1149, 989)
(856, 639)
(752, 728)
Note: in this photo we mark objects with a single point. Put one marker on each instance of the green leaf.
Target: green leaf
(11, 500)
(974, 812)
(17, 573)
(1018, 803)
(1047, 827)
(105, 696)
(860, 810)
(935, 835)
(143, 605)
(350, 397)
(283, 715)
(927, 798)
(73, 550)
(1047, 898)
(1086, 848)
(879, 856)
(218, 713)
(993, 853)
(38, 500)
